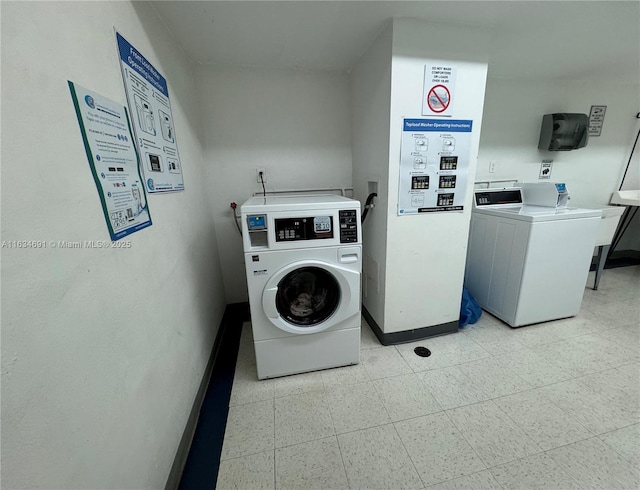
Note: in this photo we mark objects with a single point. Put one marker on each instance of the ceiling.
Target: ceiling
(574, 40)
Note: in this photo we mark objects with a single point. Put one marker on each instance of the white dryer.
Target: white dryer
(303, 258)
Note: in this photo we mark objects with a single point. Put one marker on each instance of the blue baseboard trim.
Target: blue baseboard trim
(201, 467)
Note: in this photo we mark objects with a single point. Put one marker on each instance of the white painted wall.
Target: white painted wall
(426, 253)
(371, 105)
(102, 350)
(511, 128)
(293, 123)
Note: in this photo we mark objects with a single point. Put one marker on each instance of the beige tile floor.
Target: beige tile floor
(554, 406)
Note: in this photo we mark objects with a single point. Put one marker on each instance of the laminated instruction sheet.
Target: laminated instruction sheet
(434, 165)
(148, 98)
(109, 144)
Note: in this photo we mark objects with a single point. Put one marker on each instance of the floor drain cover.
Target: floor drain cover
(422, 351)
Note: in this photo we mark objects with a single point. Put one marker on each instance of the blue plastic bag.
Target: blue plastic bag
(470, 310)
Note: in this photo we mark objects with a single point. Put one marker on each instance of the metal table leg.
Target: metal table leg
(603, 251)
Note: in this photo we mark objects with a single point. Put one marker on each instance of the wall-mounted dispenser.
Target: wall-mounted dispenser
(563, 132)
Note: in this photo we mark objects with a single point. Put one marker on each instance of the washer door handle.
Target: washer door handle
(349, 258)
(349, 255)
(269, 302)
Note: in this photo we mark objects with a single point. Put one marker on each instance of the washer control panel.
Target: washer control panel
(307, 228)
(497, 197)
(348, 226)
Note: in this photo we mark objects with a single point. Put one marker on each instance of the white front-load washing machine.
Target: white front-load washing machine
(303, 258)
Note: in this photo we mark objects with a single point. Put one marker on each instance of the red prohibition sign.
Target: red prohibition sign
(438, 101)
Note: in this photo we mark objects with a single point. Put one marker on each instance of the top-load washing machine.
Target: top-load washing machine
(529, 263)
(303, 258)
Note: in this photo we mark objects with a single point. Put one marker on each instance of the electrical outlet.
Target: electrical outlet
(261, 172)
(492, 167)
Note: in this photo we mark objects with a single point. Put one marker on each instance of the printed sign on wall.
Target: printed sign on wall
(148, 98)
(434, 165)
(108, 142)
(596, 119)
(545, 169)
(438, 92)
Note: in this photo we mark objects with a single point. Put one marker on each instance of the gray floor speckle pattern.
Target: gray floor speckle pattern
(553, 406)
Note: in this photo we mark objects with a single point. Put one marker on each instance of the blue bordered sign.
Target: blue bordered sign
(150, 109)
(434, 165)
(108, 143)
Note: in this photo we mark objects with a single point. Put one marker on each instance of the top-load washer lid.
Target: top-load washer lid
(539, 213)
(263, 204)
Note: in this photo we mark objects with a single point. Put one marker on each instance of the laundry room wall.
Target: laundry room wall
(630, 241)
(371, 106)
(426, 252)
(293, 123)
(103, 350)
(511, 128)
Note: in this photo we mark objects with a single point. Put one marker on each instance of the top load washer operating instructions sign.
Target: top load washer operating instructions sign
(434, 165)
(150, 109)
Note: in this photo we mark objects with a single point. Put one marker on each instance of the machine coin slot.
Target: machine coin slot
(257, 222)
(257, 226)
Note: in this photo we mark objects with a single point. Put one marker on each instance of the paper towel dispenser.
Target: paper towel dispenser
(563, 132)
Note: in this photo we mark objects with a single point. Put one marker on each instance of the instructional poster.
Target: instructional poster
(148, 98)
(434, 165)
(109, 144)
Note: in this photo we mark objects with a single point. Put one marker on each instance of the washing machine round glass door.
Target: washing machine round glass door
(307, 296)
(311, 296)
